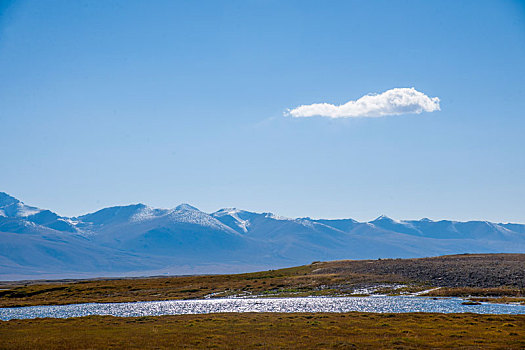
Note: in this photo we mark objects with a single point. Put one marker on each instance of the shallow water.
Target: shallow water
(381, 304)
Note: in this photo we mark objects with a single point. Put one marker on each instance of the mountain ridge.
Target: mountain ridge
(138, 239)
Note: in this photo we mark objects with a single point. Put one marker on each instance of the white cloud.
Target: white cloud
(391, 102)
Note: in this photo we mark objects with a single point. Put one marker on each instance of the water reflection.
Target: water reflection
(380, 304)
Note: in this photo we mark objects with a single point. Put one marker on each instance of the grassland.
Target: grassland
(480, 275)
(270, 330)
(490, 277)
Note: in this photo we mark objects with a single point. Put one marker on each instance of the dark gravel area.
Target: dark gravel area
(466, 270)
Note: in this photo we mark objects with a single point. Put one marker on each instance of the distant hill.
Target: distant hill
(137, 240)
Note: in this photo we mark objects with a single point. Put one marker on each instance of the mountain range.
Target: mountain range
(137, 240)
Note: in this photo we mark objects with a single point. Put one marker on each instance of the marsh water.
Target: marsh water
(382, 304)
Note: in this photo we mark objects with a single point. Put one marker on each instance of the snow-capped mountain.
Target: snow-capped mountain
(14, 213)
(181, 232)
(140, 240)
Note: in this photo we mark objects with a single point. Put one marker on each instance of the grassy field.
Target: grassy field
(474, 276)
(480, 275)
(270, 330)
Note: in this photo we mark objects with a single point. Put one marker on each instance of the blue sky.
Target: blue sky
(163, 102)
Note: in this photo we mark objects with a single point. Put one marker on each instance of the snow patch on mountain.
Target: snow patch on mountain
(243, 225)
(147, 213)
(18, 209)
(187, 214)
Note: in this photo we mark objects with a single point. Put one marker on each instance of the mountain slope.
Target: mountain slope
(12, 211)
(138, 240)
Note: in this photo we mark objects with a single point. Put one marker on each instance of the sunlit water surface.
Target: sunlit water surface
(327, 304)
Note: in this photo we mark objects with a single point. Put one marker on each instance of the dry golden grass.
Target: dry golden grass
(478, 292)
(161, 288)
(295, 281)
(320, 278)
(270, 331)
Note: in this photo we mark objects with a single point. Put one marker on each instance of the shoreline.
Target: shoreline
(491, 277)
(503, 300)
